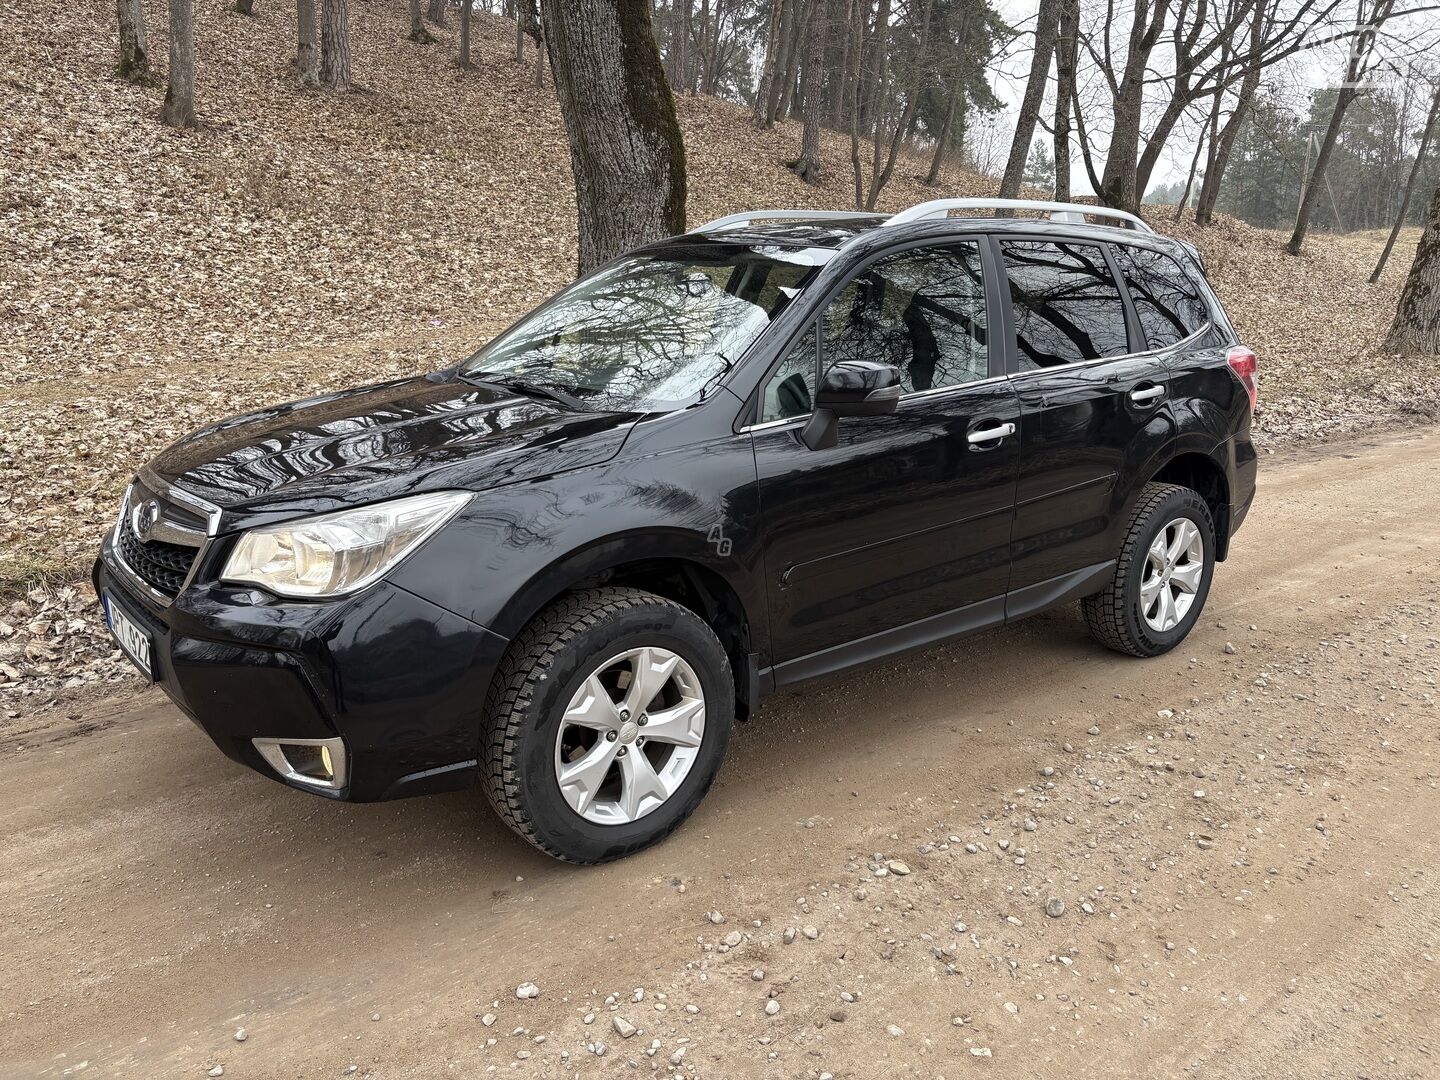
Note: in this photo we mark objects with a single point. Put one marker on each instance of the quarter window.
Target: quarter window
(922, 311)
(1067, 306)
(1167, 302)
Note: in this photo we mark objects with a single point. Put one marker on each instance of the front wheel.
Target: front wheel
(1162, 576)
(606, 723)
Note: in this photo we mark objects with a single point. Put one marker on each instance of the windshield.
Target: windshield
(650, 331)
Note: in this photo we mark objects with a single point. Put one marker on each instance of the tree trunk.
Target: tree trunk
(467, 8)
(335, 44)
(1221, 148)
(307, 56)
(938, 161)
(245, 7)
(804, 15)
(134, 52)
(1417, 316)
(540, 62)
(418, 33)
(760, 110)
(1067, 45)
(841, 81)
(436, 12)
(179, 108)
(625, 144)
(1047, 22)
(1430, 122)
(879, 176)
(1346, 95)
(1207, 138)
(788, 19)
(808, 165)
(860, 17)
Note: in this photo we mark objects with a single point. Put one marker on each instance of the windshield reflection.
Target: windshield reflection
(650, 331)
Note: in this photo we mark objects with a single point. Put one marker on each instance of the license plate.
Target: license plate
(134, 642)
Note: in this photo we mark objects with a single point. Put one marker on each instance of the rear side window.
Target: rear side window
(1167, 302)
(1067, 305)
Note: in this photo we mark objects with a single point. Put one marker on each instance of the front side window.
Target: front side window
(1067, 307)
(1168, 304)
(923, 311)
(651, 331)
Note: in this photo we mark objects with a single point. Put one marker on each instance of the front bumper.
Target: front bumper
(401, 681)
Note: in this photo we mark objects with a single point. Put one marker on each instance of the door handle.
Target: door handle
(1150, 393)
(990, 434)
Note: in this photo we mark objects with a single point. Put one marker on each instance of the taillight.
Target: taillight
(1246, 368)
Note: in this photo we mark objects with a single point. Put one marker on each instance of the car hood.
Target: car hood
(377, 442)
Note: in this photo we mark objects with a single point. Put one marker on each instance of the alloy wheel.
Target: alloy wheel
(630, 736)
(1174, 570)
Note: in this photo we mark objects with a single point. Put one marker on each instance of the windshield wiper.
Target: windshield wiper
(524, 386)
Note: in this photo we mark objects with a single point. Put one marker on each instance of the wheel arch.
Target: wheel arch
(1200, 469)
(671, 563)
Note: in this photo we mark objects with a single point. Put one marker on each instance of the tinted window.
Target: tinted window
(1166, 300)
(651, 331)
(792, 387)
(1067, 307)
(922, 311)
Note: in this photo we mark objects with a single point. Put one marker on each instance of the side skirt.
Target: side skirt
(961, 622)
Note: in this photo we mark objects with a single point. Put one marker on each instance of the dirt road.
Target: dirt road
(1245, 840)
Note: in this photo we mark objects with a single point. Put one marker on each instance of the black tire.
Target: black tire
(1113, 615)
(542, 670)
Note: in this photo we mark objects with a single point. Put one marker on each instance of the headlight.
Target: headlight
(333, 554)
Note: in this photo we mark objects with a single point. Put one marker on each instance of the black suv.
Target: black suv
(777, 447)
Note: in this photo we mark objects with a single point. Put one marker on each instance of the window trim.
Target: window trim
(994, 313)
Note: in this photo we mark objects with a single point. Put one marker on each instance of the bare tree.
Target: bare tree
(527, 24)
(179, 108)
(807, 166)
(1047, 22)
(436, 12)
(1417, 317)
(880, 174)
(1370, 16)
(134, 52)
(335, 44)
(942, 141)
(418, 33)
(1426, 135)
(626, 150)
(245, 7)
(466, 12)
(1067, 45)
(307, 56)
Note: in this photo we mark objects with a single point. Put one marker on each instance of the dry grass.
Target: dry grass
(151, 281)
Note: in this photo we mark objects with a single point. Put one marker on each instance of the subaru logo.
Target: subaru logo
(144, 517)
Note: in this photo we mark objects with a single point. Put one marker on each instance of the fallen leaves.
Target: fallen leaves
(151, 282)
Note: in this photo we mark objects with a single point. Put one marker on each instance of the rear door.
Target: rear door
(1093, 406)
(906, 518)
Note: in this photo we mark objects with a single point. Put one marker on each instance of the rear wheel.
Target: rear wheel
(607, 723)
(1162, 576)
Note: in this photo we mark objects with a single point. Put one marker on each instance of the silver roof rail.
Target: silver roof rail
(1073, 213)
(734, 221)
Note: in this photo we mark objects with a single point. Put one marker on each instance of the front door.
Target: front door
(1092, 408)
(907, 518)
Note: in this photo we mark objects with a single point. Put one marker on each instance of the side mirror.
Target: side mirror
(850, 388)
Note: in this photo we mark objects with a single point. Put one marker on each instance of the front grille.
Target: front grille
(161, 565)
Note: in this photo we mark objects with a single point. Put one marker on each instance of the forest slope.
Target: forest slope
(151, 281)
